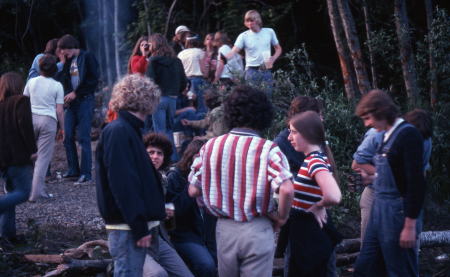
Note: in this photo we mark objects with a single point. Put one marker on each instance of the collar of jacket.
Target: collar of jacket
(135, 122)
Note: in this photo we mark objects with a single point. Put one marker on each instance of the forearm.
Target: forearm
(277, 54)
(60, 116)
(286, 196)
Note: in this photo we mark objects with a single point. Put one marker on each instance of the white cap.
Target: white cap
(181, 28)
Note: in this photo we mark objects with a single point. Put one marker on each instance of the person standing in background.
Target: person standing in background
(139, 57)
(47, 100)
(17, 151)
(179, 40)
(79, 77)
(257, 42)
(50, 48)
(167, 71)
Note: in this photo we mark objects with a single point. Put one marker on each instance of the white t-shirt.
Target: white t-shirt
(44, 94)
(233, 67)
(257, 46)
(191, 58)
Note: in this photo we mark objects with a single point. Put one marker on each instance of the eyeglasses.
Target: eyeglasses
(292, 131)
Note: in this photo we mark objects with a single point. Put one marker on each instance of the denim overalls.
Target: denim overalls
(381, 254)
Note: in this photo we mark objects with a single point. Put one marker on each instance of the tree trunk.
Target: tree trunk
(354, 46)
(406, 53)
(169, 14)
(367, 23)
(117, 38)
(344, 58)
(432, 62)
(147, 19)
(106, 35)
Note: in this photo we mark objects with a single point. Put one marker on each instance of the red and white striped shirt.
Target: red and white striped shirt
(238, 173)
(306, 190)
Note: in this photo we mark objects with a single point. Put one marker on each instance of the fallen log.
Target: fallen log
(47, 259)
(90, 249)
(73, 264)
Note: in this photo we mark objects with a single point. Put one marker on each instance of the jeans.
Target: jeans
(261, 79)
(128, 258)
(165, 262)
(197, 84)
(187, 130)
(163, 121)
(197, 257)
(78, 117)
(17, 188)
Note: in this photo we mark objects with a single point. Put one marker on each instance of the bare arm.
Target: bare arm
(331, 194)
(271, 61)
(286, 196)
(60, 115)
(220, 66)
(368, 168)
(194, 191)
(233, 52)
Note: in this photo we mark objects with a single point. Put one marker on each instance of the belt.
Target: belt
(260, 67)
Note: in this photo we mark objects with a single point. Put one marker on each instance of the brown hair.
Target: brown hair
(47, 65)
(160, 46)
(186, 160)
(136, 51)
(11, 83)
(310, 126)
(422, 120)
(162, 142)
(68, 42)
(224, 39)
(379, 104)
(50, 47)
(302, 104)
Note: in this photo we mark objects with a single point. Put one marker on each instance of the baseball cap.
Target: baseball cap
(181, 28)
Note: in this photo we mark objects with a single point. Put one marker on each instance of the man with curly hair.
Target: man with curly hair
(129, 193)
(237, 175)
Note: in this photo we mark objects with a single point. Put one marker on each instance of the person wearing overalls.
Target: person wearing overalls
(390, 247)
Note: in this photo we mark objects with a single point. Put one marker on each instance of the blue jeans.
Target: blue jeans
(17, 187)
(197, 257)
(197, 85)
(78, 117)
(128, 258)
(163, 121)
(261, 79)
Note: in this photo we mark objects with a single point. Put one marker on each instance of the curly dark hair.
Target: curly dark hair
(248, 107)
(162, 142)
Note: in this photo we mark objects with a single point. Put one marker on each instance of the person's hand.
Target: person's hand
(185, 122)
(169, 213)
(60, 135)
(70, 97)
(320, 213)
(277, 220)
(269, 63)
(408, 237)
(144, 242)
(33, 157)
(365, 177)
(61, 55)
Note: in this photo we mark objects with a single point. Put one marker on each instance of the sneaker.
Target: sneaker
(82, 179)
(70, 175)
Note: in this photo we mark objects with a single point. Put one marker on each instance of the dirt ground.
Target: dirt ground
(71, 217)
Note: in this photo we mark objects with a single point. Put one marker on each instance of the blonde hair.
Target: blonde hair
(135, 93)
(254, 14)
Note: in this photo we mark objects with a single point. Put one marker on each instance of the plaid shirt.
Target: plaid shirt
(237, 173)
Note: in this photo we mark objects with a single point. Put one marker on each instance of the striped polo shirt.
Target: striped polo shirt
(306, 191)
(238, 173)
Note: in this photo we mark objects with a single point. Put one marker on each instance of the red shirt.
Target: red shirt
(138, 64)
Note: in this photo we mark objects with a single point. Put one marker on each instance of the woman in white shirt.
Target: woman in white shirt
(192, 57)
(228, 70)
(47, 100)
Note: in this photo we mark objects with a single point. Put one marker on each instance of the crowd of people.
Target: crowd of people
(212, 206)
